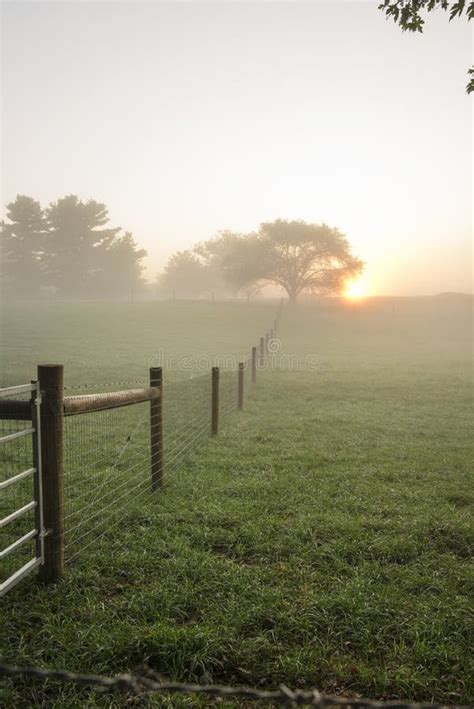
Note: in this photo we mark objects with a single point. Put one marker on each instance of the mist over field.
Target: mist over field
(236, 332)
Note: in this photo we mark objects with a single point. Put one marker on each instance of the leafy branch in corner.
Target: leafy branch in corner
(408, 15)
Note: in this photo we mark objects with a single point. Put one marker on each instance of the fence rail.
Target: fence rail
(86, 403)
(102, 450)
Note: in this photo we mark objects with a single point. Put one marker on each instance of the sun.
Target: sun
(356, 289)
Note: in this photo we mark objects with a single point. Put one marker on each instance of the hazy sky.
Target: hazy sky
(189, 117)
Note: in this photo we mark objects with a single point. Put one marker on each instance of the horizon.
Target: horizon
(198, 136)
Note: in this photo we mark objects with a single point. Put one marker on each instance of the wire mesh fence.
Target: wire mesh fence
(106, 462)
(107, 453)
(228, 392)
(187, 419)
(104, 446)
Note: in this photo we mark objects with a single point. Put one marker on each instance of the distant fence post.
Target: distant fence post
(275, 328)
(267, 340)
(215, 401)
(156, 430)
(254, 365)
(50, 377)
(241, 386)
(262, 350)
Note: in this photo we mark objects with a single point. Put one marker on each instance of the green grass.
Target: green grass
(323, 538)
(101, 342)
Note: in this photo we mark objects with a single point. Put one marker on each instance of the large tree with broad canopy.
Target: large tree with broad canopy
(298, 257)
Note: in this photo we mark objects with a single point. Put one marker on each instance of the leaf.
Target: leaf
(456, 9)
(470, 84)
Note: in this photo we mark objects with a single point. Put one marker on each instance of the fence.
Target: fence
(104, 452)
(21, 483)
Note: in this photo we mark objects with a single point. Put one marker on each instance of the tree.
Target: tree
(22, 246)
(225, 258)
(121, 268)
(66, 248)
(299, 257)
(76, 245)
(408, 15)
(185, 275)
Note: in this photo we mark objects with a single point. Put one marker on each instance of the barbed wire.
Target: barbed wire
(142, 684)
(104, 385)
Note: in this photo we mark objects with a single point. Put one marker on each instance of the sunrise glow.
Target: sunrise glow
(356, 289)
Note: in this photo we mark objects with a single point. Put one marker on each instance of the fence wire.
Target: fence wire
(107, 453)
(186, 419)
(228, 383)
(109, 386)
(16, 456)
(106, 464)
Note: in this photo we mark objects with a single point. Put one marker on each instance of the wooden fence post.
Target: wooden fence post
(254, 365)
(262, 350)
(241, 386)
(267, 340)
(50, 377)
(156, 430)
(215, 401)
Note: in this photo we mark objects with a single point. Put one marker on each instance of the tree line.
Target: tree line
(67, 248)
(295, 256)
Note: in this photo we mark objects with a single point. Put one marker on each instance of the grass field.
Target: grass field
(324, 538)
(101, 342)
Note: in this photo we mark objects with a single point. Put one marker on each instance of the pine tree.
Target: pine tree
(77, 245)
(22, 247)
(122, 267)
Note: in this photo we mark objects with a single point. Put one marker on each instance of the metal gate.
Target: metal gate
(15, 512)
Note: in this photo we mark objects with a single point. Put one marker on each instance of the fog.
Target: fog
(187, 119)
